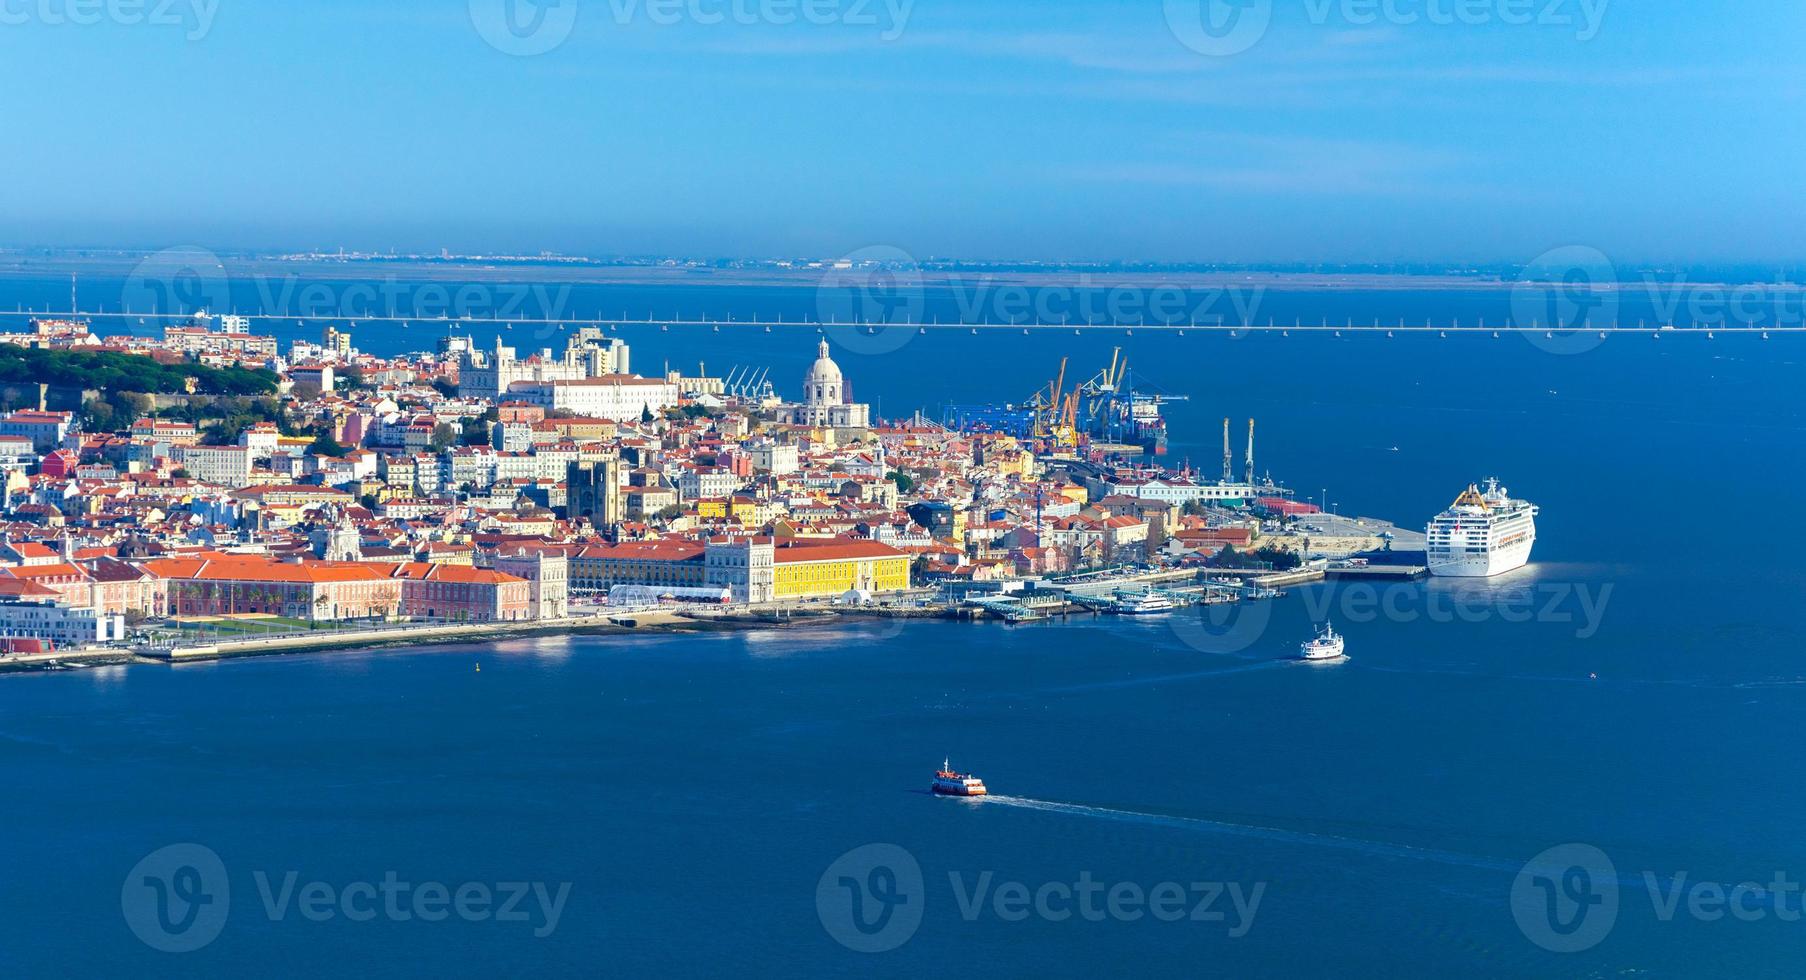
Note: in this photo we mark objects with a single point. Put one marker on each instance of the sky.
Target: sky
(1247, 131)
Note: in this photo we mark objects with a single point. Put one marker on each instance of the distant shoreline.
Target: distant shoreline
(18, 266)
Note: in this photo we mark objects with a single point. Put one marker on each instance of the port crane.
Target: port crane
(1056, 411)
(1108, 407)
(749, 384)
(1116, 410)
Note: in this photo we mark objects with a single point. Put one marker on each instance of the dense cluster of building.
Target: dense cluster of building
(474, 485)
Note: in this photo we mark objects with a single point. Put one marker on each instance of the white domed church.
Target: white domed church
(825, 401)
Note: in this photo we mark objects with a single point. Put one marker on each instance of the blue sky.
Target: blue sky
(1654, 130)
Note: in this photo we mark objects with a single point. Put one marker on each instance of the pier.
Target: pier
(1390, 573)
(1007, 609)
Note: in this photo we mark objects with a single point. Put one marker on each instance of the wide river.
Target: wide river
(1174, 795)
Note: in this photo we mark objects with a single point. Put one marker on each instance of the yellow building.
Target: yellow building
(742, 509)
(1015, 462)
(824, 569)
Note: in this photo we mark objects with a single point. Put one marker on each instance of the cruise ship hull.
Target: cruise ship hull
(1487, 565)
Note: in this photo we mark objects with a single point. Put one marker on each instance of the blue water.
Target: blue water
(694, 790)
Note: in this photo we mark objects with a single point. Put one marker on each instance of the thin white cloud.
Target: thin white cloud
(1255, 163)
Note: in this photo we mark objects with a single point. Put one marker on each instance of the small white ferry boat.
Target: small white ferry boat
(947, 782)
(1328, 645)
(1143, 604)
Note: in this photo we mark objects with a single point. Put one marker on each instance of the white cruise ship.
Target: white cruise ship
(1482, 534)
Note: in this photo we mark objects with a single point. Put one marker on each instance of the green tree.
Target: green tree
(444, 437)
(325, 445)
(219, 433)
(115, 371)
(98, 416)
(1276, 559)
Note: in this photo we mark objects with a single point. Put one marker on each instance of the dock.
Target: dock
(402, 634)
(1384, 573)
(1008, 610)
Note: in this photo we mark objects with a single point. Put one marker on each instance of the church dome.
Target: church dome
(824, 371)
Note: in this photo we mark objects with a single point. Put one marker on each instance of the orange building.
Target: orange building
(214, 584)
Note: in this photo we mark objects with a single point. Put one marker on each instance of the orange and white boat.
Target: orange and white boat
(950, 783)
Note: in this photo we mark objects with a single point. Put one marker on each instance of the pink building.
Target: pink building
(352, 429)
(461, 593)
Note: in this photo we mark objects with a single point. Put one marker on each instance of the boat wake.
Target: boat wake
(1357, 845)
(1371, 848)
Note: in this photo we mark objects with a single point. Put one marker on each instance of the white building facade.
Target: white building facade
(747, 568)
(61, 624)
(587, 354)
(223, 466)
(548, 581)
(618, 397)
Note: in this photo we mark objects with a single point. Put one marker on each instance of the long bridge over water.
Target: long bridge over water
(1449, 329)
